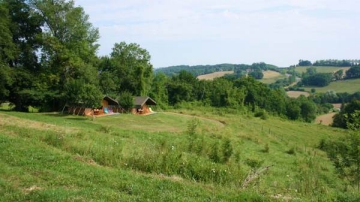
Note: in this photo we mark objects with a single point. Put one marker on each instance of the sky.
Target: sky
(207, 32)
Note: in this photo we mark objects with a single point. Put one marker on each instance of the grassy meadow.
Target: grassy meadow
(214, 75)
(271, 77)
(203, 155)
(320, 69)
(341, 86)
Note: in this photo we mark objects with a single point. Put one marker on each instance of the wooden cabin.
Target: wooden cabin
(142, 105)
(108, 106)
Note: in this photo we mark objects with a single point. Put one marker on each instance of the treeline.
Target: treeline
(242, 93)
(330, 62)
(239, 69)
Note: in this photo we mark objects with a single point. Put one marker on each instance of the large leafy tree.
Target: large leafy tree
(7, 49)
(131, 68)
(69, 49)
(20, 42)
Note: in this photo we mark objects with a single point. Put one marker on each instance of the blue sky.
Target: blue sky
(200, 32)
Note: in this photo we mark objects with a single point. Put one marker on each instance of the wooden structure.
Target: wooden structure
(141, 105)
(108, 106)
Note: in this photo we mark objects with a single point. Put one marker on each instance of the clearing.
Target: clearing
(326, 119)
(296, 94)
(321, 69)
(342, 86)
(271, 77)
(214, 75)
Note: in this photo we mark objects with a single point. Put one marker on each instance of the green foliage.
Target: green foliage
(126, 100)
(291, 151)
(353, 72)
(319, 79)
(336, 63)
(348, 116)
(262, 114)
(214, 153)
(257, 74)
(227, 150)
(130, 67)
(304, 63)
(345, 154)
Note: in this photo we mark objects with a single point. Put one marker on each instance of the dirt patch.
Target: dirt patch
(326, 119)
(296, 94)
(214, 75)
(270, 74)
(31, 189)
(337, 105)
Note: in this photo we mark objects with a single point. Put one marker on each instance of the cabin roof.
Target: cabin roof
(111, 101)
(141, 100)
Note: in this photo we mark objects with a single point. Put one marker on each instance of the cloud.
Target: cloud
(265, 27)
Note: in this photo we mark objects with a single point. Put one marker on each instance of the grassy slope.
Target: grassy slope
(214, 75)
(321, 69)
(126, 157)
(349, 85)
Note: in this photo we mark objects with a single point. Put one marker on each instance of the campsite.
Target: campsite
(179, 101)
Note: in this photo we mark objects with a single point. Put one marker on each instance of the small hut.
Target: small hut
(141, 105)
(109, 106)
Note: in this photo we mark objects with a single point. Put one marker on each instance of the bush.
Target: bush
(262, 114)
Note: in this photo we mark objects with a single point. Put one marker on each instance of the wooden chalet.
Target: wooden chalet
(108, 106)
(141, 105)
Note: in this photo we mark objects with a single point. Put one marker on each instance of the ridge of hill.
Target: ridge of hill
(209, 154)
(198, 70)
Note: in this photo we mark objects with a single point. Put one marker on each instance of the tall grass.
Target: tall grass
(200, 153)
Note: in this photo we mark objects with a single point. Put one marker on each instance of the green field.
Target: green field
(320, 69)
(203, 155)
(272, 80)
(349, 86)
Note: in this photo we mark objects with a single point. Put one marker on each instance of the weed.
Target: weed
(291, 151)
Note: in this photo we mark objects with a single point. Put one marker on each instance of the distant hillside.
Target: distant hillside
(208, 69)
(214, 75)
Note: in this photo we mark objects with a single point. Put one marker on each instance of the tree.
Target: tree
(304, 63)
(345, 154)
(348, 116)
(353, 72)
(131, 65)
(339, 74)
(319, 79)
(257, 74)
(19, 44)
(293, 109)
(69, 46)
(158, 89)
(78, 92)
(126, 100)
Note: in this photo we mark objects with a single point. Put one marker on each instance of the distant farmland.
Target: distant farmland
(321, 69)
(296, 94)
(214, 75)
(271, 76)
(342, 86)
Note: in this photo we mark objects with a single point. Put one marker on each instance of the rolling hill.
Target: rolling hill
(208, 154)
